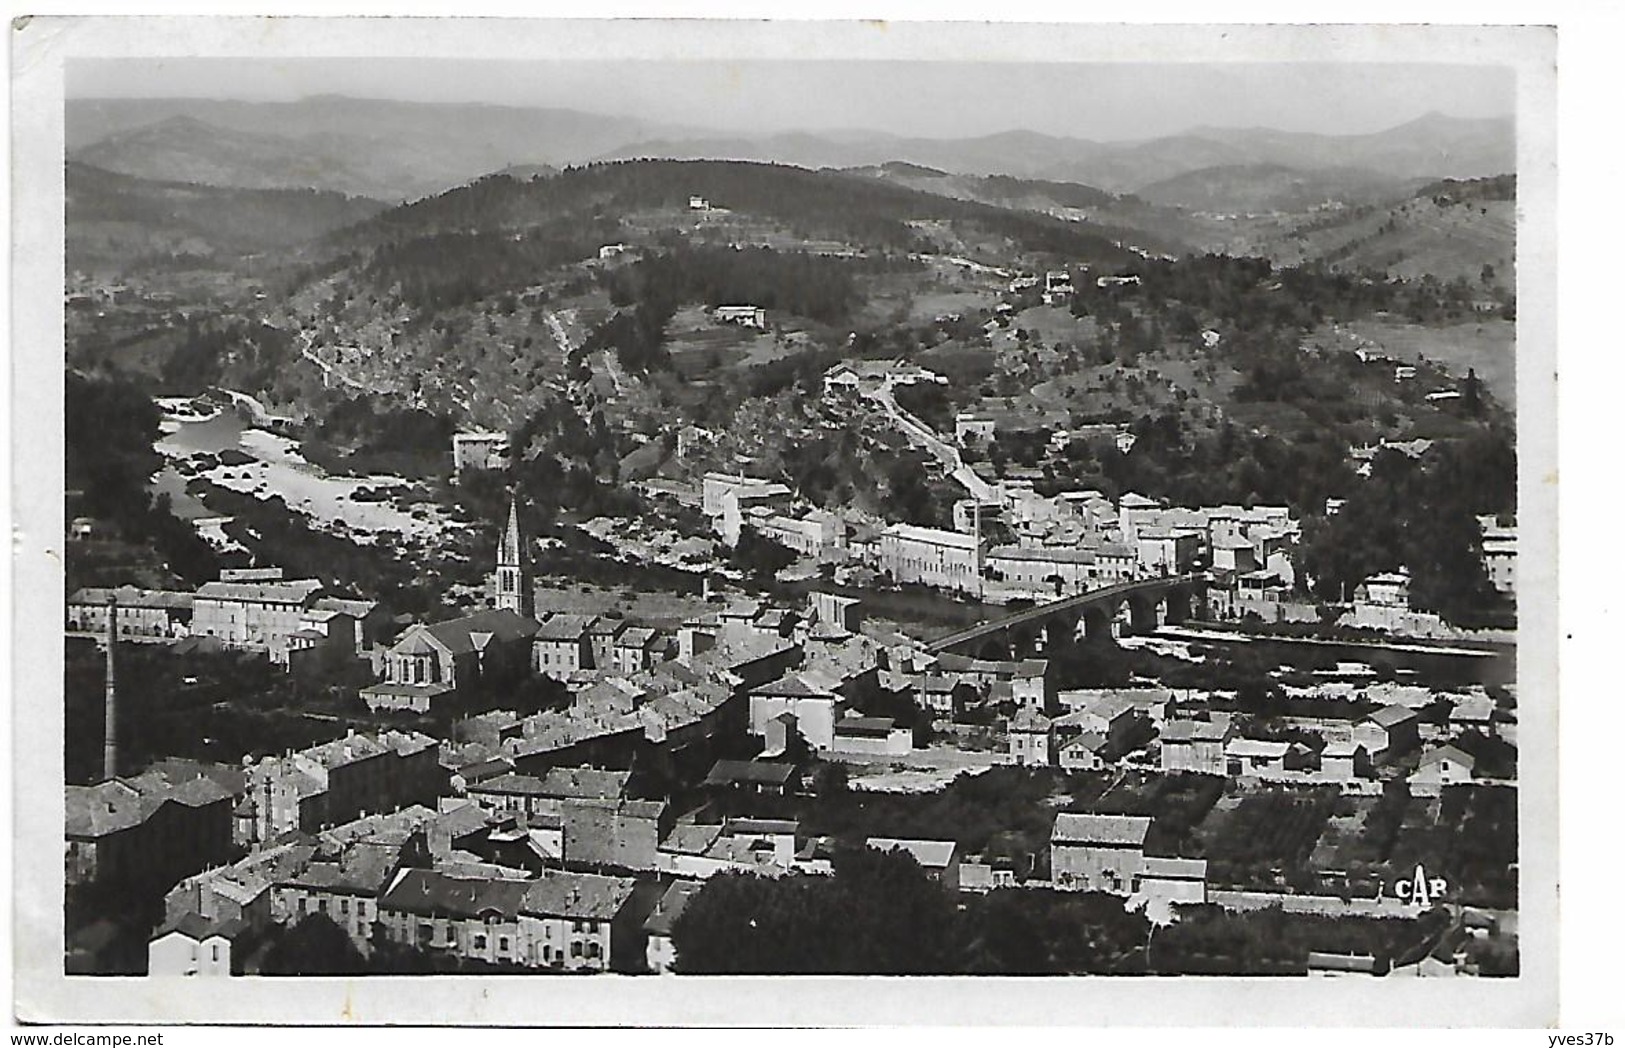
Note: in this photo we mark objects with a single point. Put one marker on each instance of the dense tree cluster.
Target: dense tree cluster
(206, 705)
(110, 424)
(369, 433)
(1252, 294)
(441, 271)
(1227, 465)
(820, 287)
(880, 915)
(1420, 514)
(1208, 940)
(211, 217)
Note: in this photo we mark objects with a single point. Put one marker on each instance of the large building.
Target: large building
(432, 664)
(728, 499)
(340, 780)
(930, 557)
(259, 615)
(150, 830)
(564, 921)
(1098, 853)
(143, 615)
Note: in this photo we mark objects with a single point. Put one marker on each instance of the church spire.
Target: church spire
(511, 548)
(512, 578)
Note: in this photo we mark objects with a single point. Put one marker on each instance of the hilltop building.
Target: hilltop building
(480, 450)
(744, 316)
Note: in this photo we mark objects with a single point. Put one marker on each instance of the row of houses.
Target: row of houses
(411, 880)
(247, 609)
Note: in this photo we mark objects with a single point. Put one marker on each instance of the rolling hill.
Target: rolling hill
(1255, 188)
(119, 220)
(1446, 230)
(1432, 146)
(187, 150)
(389, 150)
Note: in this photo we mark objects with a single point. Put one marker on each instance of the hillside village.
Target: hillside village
(578, 570)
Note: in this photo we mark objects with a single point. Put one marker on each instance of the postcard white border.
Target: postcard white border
(43, 993)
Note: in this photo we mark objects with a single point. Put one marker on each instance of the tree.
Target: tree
(314, 946)
(760, 557)
(878, 914)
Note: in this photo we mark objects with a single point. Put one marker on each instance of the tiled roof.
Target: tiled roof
(792, 685)
(132, 597)
(727, 773)
(578, 896)
(1100, 829)
(1389, 716)
(564, 626)
(198, 928)
(1196, 730)
(671, 906)
(291, 592)
(561, 782)
(933, 855)
(504, 625)
(429, 892)
(688, 838)
(1175, 869)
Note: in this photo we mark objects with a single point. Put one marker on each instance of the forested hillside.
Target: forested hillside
(114, 218)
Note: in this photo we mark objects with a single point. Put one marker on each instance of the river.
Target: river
(277, 468)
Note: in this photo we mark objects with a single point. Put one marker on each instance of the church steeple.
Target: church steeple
(512, 580)
(511, 548)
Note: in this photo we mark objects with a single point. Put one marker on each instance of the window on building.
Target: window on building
(214, 953)
(502, 944)
(479, 942)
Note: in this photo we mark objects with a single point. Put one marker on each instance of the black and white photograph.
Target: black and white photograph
(964, 501)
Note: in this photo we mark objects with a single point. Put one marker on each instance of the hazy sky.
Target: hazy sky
(929, 99)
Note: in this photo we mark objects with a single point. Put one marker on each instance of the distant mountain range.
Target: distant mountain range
(392, 151)
(401, 150)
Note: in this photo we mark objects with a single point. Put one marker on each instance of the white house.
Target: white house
(193, 945)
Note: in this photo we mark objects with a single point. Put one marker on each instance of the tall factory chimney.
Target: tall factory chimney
(110, 738)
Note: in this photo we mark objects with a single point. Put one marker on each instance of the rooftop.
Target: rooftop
(671, 906)
(933, 855)
(503, 625)
(295, 592)
(1116, 830)
(565, 626)
(767, 773)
